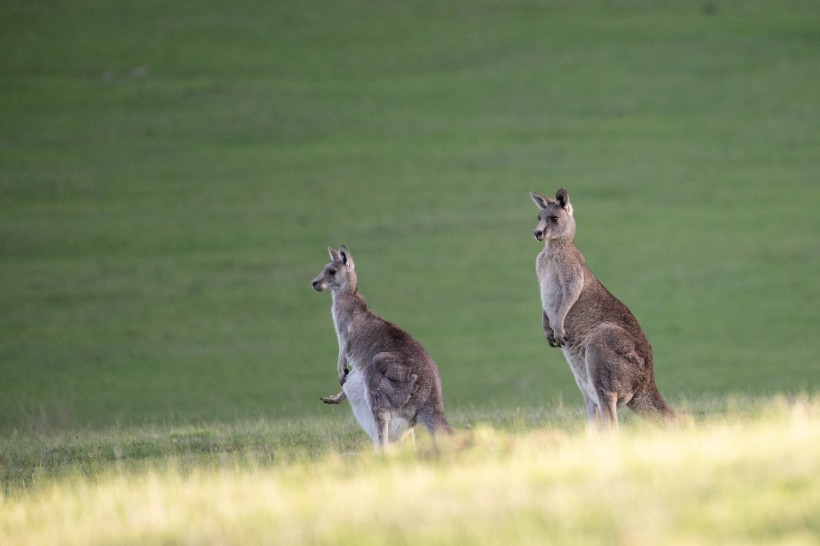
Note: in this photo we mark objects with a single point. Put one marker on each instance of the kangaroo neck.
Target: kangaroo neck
(558, 245)
(346, 302)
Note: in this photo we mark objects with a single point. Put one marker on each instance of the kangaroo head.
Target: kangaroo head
(339, 274)
(555, 221)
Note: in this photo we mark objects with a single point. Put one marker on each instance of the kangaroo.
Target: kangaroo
(602, 341)
(392, 382)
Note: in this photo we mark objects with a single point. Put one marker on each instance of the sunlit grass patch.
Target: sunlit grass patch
(735, 478)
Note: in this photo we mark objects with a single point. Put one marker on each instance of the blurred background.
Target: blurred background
(172, 173)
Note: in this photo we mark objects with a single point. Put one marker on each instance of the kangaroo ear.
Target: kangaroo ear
(347, 259)
(334, 254)
(540, 201)
(562, 198)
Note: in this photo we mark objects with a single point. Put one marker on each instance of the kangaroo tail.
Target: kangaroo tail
(435, 423)
(651, 405)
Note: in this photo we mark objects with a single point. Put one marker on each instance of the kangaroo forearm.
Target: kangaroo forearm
(563, 311)
(571, 294)
(341, 364)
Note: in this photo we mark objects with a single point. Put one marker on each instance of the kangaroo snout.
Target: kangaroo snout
(317, 285)
(539, 235)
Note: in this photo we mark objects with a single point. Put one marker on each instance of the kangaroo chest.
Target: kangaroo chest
(552, 290)
(344, 333)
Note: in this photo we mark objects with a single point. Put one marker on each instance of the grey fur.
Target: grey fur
(392, 382)
(602, 341)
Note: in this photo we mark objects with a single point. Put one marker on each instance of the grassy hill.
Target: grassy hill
(170, 175)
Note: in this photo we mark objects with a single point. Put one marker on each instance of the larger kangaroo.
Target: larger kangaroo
(601, 339)
(392, 382)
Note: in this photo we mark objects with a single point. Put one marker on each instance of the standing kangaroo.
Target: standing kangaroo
(392, 382)
(602, 341)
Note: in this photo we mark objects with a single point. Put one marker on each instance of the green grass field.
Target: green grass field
(171, 174)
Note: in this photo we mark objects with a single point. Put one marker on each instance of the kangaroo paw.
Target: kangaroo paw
(336, 399)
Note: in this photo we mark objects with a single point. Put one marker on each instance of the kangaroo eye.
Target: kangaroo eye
(554, 219)
(331, 272)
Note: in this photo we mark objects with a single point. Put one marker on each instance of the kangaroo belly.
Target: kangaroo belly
(356, 392)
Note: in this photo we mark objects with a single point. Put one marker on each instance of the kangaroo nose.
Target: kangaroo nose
(538, 234)
(314, 284)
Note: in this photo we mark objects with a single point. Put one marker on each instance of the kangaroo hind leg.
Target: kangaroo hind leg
(382, 436)
(609, 377)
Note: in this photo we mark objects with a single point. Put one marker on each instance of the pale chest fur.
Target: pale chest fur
(549, 279)
(344, 330)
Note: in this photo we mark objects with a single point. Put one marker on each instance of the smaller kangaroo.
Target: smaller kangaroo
(602, 341)
(392, 382)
